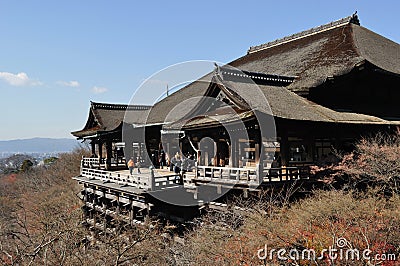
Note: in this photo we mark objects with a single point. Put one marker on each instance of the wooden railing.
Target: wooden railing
(121, 179)
(251, 175)
(164, 181)
(286, 173)
(154, 181)
(151, 181)
(97, 163)
(91, 162)
(226, 174)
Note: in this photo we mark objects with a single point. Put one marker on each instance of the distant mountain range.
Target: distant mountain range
(38, 145)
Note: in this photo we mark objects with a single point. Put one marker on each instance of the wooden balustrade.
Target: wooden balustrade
(149, 181)
(251, 175)
(97, 163)
(91, 162)
(121, 179)
(164, 181)
(286, 173)
(154, 181)
(226, 174)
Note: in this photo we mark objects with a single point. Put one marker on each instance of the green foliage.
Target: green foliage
(26, 165)
(50, 160)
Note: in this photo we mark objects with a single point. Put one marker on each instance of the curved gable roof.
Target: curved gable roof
(105, 117)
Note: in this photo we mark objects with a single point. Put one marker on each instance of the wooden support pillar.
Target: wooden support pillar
(139, 152)
(85, 194)
(152, 183)
(219, 189)
(85, 200)
(257, 153)
(217, 153)
(93, 145)
(233, 158)
(285, 154)
(108, 154)
(230, 155)
(104, 206)
(240, 154)
(128, 150)
(117, 209)
(245, 193)
(198, 157)
(310, 146)
(100, 148)
(94, 216)
(259, 173)
(132, 213)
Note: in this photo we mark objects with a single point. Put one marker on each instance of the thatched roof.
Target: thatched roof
(316, 55)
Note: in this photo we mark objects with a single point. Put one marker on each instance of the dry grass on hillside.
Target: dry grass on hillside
(365, 220)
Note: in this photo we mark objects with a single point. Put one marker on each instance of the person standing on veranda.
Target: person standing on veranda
(131, 165)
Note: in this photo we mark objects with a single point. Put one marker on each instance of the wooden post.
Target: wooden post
(93, 148)
(82, 163)
(108, 154)
(139, 152)
(257, 153)
(117, 209)
(131, 211)
(233, 153)
(152, 181)
(240, 154)
(104, 206)
(245, 193)
(285, 148)
(260, 173)
(94, 216)
(196, 193)
(100, 148)
(85, 200)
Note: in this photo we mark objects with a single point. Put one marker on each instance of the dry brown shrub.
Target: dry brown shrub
(374, 162)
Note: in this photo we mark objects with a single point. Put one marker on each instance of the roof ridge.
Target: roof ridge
(231, 74)
(113, 106)
(353, 19)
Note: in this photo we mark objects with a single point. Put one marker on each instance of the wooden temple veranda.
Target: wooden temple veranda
(325, 88)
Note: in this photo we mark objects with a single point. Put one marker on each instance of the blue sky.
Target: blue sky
(56, 56)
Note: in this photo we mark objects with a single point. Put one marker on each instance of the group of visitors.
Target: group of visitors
(178, 164)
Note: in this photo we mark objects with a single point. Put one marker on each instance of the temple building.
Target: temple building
(263, 118)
